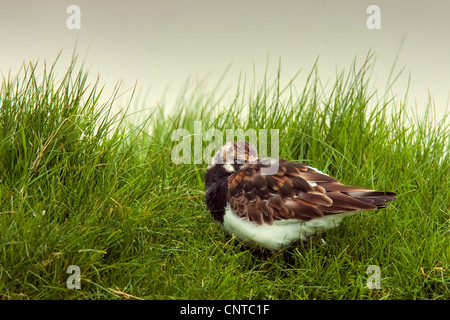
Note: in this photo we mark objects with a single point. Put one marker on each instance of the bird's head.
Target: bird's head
(230, 158)
(233, 155)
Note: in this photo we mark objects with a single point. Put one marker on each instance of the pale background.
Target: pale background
(163, 43)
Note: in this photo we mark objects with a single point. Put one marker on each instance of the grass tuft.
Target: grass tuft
(80, 186)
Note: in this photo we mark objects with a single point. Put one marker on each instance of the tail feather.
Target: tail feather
(376, 198)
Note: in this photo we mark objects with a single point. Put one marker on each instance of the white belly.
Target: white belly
(281, 233)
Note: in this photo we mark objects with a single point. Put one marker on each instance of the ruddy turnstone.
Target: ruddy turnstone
(273, 210)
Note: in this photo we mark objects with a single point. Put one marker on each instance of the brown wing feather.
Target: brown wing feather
(288, 195)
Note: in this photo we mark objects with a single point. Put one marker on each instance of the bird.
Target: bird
(274, 208)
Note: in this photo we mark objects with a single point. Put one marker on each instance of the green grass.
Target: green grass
(81, 186)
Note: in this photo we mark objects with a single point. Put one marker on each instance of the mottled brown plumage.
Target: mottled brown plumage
(296, 191)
